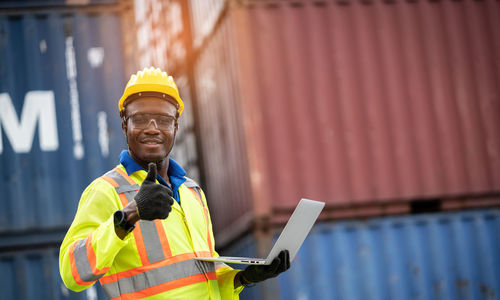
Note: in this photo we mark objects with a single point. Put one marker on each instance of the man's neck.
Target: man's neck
(161, 167)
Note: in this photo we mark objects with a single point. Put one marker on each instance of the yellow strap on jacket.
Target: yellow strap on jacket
(155, 261)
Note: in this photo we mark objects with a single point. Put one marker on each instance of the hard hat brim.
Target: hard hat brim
(151, 87)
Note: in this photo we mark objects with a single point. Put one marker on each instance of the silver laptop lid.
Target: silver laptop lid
(297, 228)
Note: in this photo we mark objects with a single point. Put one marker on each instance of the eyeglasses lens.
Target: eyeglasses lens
(162, 122)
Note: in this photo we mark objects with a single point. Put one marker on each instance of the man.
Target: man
(139, 227)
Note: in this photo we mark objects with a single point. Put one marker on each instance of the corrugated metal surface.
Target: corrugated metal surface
(34, 275)
(62, 70)
(160, 33)
(185, 151)
(366, 105)
(223, 144)
(19, 4)
(392, 97)
(159, 36)
(435, 256)
(60, 78)
(204, 16)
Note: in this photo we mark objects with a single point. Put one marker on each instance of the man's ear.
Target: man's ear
(124, 128)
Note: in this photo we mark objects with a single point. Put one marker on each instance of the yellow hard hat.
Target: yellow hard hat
(151, 80)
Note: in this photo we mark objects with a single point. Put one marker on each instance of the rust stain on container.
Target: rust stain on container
(354, 104)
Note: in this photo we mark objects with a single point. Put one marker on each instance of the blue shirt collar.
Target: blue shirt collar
(175, 172)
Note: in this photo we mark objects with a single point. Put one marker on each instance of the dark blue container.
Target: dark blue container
(435, 256)
(61, 76)
(62, 71)
(34, 274)
(30, 4)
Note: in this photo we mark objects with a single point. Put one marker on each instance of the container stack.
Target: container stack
(63, 67)
(157, 33)
(385, 110)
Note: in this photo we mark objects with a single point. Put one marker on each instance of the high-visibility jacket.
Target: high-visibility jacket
(156, 260)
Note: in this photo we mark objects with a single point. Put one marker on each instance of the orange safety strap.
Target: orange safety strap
(151, 239)
(160, 271)
(142, 269)
(197, 195)
(164, 287)
(83, 262)
(123, 199)
(156, 278)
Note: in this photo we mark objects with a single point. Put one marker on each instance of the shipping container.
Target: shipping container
(63, 68)
(61, 75)
(158, 34)
(34, 275)
(204, 16)
(50, 4)
(375, 107)
(223, 144)
(185, 151)
(60, 78)
(430, 256)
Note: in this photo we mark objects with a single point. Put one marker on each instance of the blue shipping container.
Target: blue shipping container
(34, 275)
(434, 256)
(61, 76)
(19, 4)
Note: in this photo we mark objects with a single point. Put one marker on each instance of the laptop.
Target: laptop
(291, 238)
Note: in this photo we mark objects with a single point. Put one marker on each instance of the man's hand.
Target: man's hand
(256, 273)
(154, 201)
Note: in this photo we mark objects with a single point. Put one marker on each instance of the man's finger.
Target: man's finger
(283, 262)
(275, 264)
(286, 260)
(151, 177)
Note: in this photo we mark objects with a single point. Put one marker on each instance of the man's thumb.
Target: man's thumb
(151, 177)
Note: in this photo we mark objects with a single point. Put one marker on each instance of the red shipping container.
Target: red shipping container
(369, 106)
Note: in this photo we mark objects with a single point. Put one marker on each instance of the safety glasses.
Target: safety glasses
(142, 121)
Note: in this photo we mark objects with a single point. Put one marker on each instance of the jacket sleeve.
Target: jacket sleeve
(91, 244)
(225, 274)
(225, 279)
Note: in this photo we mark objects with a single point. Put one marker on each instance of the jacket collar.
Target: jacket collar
(175, 172)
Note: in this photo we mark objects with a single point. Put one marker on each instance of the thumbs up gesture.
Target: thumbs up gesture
(154, 201)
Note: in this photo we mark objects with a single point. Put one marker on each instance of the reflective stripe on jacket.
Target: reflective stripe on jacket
(156, 260)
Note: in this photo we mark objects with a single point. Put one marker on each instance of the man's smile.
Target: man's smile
(150, 141)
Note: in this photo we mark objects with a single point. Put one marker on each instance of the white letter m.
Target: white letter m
(39, 106)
